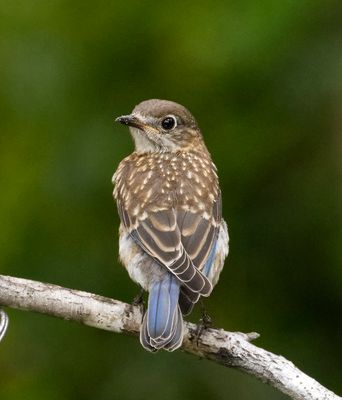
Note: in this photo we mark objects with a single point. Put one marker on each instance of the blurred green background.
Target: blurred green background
(264, 80)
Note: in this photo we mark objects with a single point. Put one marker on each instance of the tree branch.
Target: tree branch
(231, 349)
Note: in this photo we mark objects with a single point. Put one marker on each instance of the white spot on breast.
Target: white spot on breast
(201, 205)
(136, 211)
(206, 215)
(148, 194)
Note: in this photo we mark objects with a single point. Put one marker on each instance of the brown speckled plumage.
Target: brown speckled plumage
(153, 181)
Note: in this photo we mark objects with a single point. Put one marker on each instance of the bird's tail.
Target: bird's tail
(162, 325)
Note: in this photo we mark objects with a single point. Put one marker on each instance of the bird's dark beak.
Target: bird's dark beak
(130, 120)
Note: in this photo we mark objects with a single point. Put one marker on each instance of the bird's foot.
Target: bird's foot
(205, 322)
(139, 299)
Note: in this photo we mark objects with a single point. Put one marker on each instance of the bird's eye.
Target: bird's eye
(169, 123)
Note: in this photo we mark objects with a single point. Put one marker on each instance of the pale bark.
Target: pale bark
(231, 349)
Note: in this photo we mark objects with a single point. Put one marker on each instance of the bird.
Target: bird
(173, 240)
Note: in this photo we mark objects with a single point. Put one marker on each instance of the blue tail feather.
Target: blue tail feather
(158, 309)
(163, 323)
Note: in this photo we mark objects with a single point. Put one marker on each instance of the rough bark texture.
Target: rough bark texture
(231, 349)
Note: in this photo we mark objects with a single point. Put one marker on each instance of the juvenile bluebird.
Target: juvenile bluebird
(173, 240)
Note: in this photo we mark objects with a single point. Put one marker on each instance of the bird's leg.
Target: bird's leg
(139, 298)
(205, 321)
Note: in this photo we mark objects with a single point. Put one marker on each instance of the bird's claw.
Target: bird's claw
(205, 323)
(139, 299)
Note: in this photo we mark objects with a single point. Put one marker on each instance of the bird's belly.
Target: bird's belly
(222, 249)
(141, 267)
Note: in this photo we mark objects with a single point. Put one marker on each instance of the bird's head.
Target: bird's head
(162, 125)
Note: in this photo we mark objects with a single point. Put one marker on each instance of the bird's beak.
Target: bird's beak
(131, 120)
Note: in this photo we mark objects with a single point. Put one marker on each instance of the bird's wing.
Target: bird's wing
(199, 232)
(199, 237)
(180, 240)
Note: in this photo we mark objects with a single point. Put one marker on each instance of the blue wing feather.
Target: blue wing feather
(210, 260)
